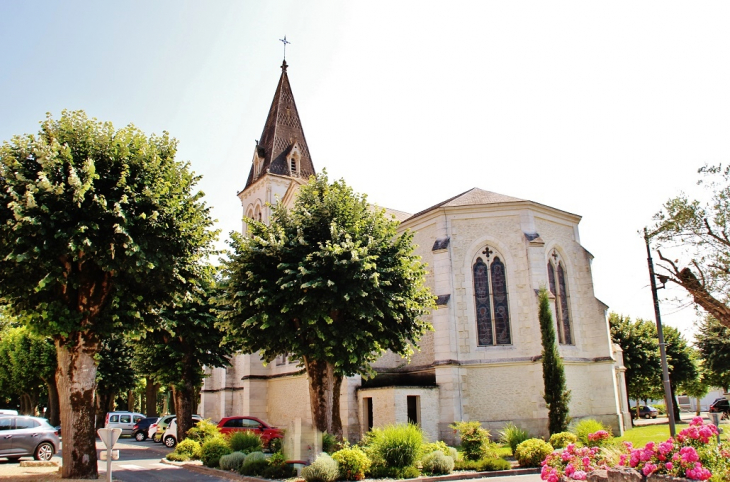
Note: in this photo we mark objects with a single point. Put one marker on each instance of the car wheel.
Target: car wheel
(44, 452)
(647, 416)
(157, 438)
(140, 436)
(170, 441)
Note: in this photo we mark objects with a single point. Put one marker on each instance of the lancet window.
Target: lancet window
(559, 288)
(491, 300)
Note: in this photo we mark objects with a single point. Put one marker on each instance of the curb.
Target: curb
(201, 469)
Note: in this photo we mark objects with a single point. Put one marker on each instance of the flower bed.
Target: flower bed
(693, 455)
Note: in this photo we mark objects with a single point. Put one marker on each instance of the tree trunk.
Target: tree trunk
(130, 401)
(104, 404)
(53, 415)
(183, 394)
(151, 397)
(324, 396)
(76, 379)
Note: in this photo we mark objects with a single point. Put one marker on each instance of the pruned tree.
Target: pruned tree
(557, 395)
(186, 338)
(638, 340)
(695, 238)
(330, 282)
(97, 226)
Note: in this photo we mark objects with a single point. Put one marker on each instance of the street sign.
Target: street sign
(109, 436)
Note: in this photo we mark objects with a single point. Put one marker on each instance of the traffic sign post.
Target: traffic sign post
(109, 436)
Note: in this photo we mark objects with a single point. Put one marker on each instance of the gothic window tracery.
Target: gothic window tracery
(491, 300)
(559, 288)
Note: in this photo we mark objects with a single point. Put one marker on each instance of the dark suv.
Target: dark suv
(139, 432)
(721, 405)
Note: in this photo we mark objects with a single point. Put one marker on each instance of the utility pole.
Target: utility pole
(668, 400)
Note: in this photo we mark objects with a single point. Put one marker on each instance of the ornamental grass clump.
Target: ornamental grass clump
(587, 426)
(203, 431)
(232, 461)
(395, 446)
(323, 469)
(532, 452)
(437, 463)
(213, 449)
(352, 462)
(561, 440)
(245, 441)
(512, 436)
(475, 443)
(189, 449)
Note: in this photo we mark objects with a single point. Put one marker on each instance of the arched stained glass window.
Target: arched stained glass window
(559, 289)
(492, 305)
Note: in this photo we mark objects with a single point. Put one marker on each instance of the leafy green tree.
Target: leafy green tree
(114, 374)
(97, 226)
(681, 359)
(638, 340)
(330, 282)
(27, 368)
(557, 396)
(713, 342)
(186, 338)
(695, 236)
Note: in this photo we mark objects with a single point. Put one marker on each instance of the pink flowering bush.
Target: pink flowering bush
(599, 438)
(692, 455)
(573, 462)
(681, 458)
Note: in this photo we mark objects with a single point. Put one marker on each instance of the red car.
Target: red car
(234, 424)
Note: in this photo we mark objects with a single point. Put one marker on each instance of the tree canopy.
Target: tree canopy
(638, 340)
(186, 338)
(330, 282)
(695, 237)
(97, 225)
(713, 342)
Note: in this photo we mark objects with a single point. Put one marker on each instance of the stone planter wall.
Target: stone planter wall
(625, 474)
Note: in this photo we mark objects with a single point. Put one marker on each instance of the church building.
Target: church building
(488, 254)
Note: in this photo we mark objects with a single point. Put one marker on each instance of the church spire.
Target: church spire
(282, 148)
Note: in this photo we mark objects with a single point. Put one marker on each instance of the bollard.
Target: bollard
(109, 436)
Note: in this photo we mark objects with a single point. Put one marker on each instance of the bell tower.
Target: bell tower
(281, 161)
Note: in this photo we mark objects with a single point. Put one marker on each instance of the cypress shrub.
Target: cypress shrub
(557, 396)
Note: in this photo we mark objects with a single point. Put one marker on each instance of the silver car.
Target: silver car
(22, 436)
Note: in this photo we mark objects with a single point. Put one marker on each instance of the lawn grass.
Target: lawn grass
(639, 436)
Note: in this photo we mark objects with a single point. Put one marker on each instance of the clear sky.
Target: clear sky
(603, 109)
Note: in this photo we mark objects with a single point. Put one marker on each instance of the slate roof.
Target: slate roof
(282, 130)
(472, 197)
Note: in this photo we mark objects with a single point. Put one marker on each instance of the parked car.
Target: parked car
(264, 430)
(645, 411)
(721, 405)
(162, 424)
(23, 436)
(6, 411)
(139, 432)
(123, 420)
(170, 435)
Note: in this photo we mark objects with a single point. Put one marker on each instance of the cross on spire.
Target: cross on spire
(555, 255)
(284, 41)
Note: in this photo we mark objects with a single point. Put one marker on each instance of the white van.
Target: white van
(123, 420)
(4, 411)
